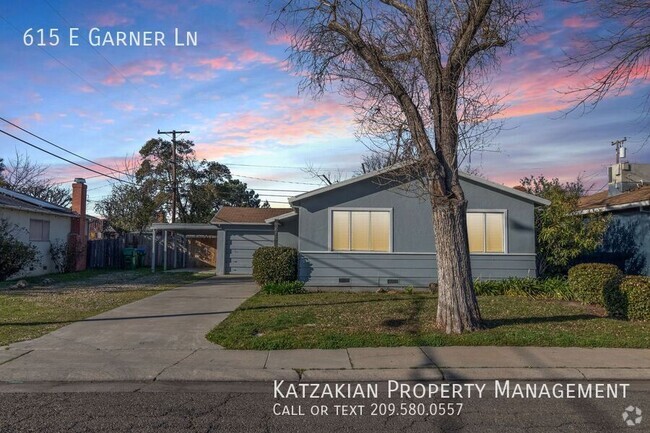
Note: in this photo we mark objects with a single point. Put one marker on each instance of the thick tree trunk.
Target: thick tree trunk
(458, 310)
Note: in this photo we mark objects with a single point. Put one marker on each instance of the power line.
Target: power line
(99, 53)
(56, 59)
(62, 148)
(275, 180)
(62, 158)
(278, 190)
(289, 167)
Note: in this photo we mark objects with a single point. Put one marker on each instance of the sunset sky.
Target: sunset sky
(237, 96)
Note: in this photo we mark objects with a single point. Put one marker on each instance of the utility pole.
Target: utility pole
(173, 133)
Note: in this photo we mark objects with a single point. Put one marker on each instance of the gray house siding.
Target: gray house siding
(412, 259)
(237, 243)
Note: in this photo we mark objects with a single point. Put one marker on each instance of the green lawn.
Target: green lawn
(30, 313)
(342, 320)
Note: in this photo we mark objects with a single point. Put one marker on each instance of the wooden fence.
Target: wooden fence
(108, 253)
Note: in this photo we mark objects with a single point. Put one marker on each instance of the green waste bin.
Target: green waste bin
(130, 258)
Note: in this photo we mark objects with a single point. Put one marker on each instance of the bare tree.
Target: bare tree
(614, 57)
(326, 176)
(28, 177)
(418, 68)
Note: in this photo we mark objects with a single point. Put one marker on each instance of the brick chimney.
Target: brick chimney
(78, 236)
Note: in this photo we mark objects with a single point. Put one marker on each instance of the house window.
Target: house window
(39, 230)
(486, 232)
(363, 230)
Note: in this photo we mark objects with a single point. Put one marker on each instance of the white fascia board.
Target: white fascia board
(615, 207)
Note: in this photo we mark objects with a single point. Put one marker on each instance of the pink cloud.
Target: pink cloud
(110, 19)
(218, 150)
(578, 22)
(67, 172)
(219, 63)
(85, 88)
(538, 38)
(136, 70)
(122, 106)
(245, 57)
(251, 56)
(285, 120)
(280, 39)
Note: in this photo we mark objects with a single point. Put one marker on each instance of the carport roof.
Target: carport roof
(186, 228)
(247, 215)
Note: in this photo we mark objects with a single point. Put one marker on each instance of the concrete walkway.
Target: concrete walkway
(162, 338)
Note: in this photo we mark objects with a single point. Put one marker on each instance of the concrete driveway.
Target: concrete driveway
(136, 341)
(175, 319)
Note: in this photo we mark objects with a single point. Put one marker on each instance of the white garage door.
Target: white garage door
(240, 247)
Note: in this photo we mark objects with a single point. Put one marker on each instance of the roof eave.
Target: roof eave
(281, 217)
(615, 207)
(40, 210)
(467, 176)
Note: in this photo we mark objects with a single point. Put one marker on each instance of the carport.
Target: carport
(187, 232)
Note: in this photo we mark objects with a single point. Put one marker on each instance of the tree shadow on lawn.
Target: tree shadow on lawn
(496, 323)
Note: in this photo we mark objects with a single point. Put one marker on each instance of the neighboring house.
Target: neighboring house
(627, 240)
(42, 223)
(367, 232)
(100, 228)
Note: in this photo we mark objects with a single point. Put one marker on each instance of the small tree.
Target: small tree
(562, 234)
(14, 255)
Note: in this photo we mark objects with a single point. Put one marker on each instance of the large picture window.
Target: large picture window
(486, 232)
(39, 230)
(362, 230)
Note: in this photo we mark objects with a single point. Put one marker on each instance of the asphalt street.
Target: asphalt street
(224, 407)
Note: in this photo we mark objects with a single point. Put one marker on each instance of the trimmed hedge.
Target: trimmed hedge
(636, 294)
(556, 288)
(275, 265)
(595, 283)
(284, 288)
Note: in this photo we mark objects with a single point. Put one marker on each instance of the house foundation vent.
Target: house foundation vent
(392, 281)
(344, 280)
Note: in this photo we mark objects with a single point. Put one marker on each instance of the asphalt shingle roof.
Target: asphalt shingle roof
(603, 200)
(26, 202)
(246, 215)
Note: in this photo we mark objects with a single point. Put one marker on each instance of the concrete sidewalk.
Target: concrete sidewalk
(362, 364)
(162, 339)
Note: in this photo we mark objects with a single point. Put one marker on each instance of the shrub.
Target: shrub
(594, 283)
(14, 255)
(635, 291)
(59, 255)
(275, 265)
(510, 287)
(284, 288)
(556, 288)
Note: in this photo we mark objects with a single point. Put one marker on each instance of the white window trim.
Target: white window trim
(505, 231)
(330, 212)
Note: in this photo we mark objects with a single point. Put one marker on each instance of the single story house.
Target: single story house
(368, 232)
(41, 223)
(627, 200)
